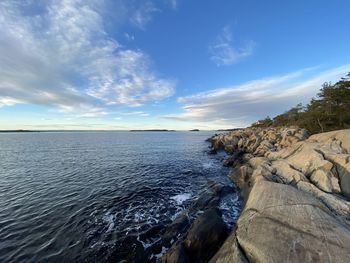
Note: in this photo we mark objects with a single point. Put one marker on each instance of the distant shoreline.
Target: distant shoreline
(151, 130)
(7, 131)
(155, 130)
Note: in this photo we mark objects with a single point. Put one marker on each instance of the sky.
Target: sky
(170, 64)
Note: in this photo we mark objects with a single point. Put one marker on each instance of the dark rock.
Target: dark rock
(206, 200)
(218, 145)
(229, 161)
(176, 254)
(212, 151)
(206, 235)
(234, 159)
(177, 227)
(220, 189)
(230, 149)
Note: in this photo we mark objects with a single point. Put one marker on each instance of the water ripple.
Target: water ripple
(88, 197)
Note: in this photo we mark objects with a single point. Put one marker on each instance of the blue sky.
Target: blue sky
(175, 64)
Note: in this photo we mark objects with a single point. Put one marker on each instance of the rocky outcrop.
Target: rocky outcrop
(258, 141)
(205, 236)
(199, 241)
(297, 192)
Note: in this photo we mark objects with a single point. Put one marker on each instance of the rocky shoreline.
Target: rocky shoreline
(296, 192)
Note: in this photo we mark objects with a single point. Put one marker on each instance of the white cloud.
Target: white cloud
(129, 37)
(136, 113)
(9, 101)
(224, 51)
(96, 112)
(174, 4)
(58, 53)
(143, 15)
(240, 105)
(131, 84)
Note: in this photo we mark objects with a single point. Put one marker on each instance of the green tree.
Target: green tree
(330, 110)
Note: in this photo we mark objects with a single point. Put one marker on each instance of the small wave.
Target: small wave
(208, 165)
(181, 198)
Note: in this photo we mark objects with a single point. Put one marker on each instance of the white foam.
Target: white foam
(208, 165)
(158, 256)
(109, 219)
(147, 244)
(230, 207)
(179, 199)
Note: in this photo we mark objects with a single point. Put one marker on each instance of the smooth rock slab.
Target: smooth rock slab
(229, 252)
(283, 224)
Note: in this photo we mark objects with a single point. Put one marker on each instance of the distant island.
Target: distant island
(153, 130)
(3, 131)
(234, 129)
(194, 130)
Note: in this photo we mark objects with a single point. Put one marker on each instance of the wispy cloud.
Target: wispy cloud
(58, 53)
(143, 15)
(9, 101)
(136, 113)
(241, 105)
(225, 51)
(174, 4)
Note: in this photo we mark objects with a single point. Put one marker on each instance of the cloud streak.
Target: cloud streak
(240, 105)
(224, 51)
(143, 15)
(58, 53)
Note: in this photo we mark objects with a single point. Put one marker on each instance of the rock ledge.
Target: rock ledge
(297, 192)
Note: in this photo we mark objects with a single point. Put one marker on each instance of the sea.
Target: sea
(101, 196)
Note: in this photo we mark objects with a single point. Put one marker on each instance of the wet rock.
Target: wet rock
(205, 236)
(229, 161)
(205, 201)
(229, 252)
(179, 226)
(212, 151)
(176, 254)
(234, 159)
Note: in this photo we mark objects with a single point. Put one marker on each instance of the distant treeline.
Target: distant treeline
(330, 110)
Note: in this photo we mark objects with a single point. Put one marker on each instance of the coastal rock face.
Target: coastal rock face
(230, 252)
(297, 193)
(258, 141)
(283, 224)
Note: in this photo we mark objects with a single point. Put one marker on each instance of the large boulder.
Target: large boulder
(205, 236)
(336, 148)
(176, 254)
(308, 158)
(283, 224)
(341, 135)
(229, 252)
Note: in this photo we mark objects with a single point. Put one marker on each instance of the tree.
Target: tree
(330, 110)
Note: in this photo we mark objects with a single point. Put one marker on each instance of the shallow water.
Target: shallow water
(99, 196)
